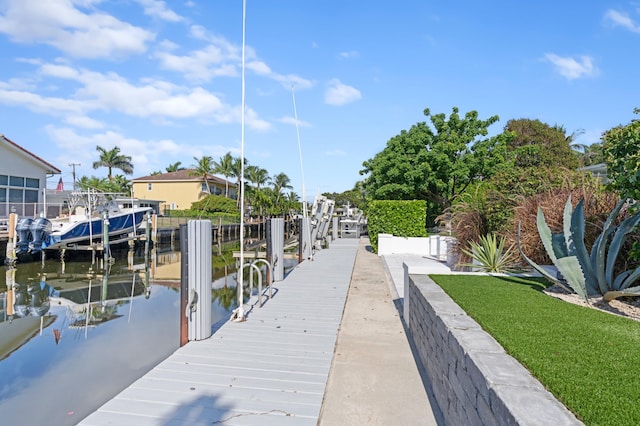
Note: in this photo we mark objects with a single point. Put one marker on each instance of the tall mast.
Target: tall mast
(239, 315)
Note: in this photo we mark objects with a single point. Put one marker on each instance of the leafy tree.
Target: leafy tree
(224, 167)
(435, 163)
(174, 167)
(203, 167)
(536, 144)
(354, 197)
(258, 177)
(112, 159)
(215, 204)
(118, 184)
(279, 183)
(621, 149)
(236, 172)
(589, 154)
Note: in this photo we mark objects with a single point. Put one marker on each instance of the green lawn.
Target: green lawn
(590, 360)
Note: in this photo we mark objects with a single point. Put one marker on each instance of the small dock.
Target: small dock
(269, 370)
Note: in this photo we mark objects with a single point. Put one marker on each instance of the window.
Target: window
(30, 196)
(4, 179)
(149, 186)
(15, 195)
(3, 195)
(33, 183)
(203, 187)
(16, 181)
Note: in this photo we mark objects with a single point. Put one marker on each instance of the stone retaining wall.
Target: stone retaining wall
(475, 382)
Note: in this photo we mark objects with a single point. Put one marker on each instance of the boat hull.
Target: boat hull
(87, 232)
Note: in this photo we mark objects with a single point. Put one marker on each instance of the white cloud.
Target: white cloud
(59, 23)
(147, 155)
(292, 121)
(199, 66)
(620, 19)
(349, 54)
(84, 122)
(338, 93)
(221, 58)
(158, 9)
(571, 68)
(155, 99)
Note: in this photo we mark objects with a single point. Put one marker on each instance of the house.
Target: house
(23, 179)
(598, 170)
(179, 189)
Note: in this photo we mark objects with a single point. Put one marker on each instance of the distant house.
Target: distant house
(179, 189)
(23, 178)
(598, 170)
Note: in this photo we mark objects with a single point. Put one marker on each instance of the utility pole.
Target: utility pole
(73, 172)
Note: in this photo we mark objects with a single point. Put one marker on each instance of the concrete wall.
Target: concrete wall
(474, 380)
(436, 246)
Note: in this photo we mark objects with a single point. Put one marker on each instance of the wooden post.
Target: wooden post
(11, 244)
(105, 238)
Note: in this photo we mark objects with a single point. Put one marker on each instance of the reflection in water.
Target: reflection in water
(91, 331)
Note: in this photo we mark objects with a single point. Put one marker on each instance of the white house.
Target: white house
(23, 178)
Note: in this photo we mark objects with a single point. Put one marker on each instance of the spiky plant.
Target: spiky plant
(490, 255)
(588, 274)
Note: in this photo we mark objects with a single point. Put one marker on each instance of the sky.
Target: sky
(327, 83)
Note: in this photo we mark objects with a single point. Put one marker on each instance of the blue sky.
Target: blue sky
(162, 79)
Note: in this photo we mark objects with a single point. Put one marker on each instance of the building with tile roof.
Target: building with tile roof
(179, 189)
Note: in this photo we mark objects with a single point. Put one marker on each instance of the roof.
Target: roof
(181, 176)
(49, 167)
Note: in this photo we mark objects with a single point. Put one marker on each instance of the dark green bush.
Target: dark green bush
(402, 218)
(216, 204)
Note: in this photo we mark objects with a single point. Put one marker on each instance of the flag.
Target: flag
(60, 186)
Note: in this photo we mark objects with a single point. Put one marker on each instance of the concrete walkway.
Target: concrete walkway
(374, 379)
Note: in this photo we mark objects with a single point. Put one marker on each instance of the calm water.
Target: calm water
(75, 336)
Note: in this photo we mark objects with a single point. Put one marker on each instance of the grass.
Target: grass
(590, 360)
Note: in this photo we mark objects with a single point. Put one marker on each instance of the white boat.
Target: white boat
(93, 214)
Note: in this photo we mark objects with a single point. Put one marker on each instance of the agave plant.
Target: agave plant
(588, 274)
(490, 255)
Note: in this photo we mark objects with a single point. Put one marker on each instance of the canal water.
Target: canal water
(77, 333)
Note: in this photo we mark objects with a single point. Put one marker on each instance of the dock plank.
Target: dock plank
(269, 370)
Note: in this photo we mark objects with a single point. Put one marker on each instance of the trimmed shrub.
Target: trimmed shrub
(402, 218)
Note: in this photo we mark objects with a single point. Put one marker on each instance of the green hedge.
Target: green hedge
(402, 218)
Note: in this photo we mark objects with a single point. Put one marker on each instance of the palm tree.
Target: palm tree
(256, 175)
(204, 167)
(112, 159)
(236, 172)
(279, 183)
(224, 167)
(174, 167)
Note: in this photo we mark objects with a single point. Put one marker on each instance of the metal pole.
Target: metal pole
(184, 284)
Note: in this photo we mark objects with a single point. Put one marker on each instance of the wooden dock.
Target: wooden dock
(270, 370)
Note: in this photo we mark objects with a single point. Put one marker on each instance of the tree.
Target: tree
(353, 197)
(118, 184)
(224, 167)
(279, 183)
(257, 176)
(435, 163)
(112, 159)
(592, 154)
(536, 144)
(174, 167)
(621, 150)
(236, 172)
(203, 167)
